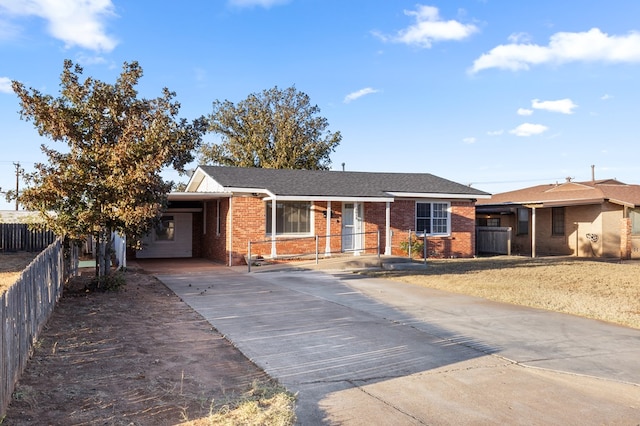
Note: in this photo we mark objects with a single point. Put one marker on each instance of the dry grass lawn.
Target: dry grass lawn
(604, 290)
(11, 265)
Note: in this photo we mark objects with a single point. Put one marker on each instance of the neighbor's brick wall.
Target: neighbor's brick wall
(625, 238)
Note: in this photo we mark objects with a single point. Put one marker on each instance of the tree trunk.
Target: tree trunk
(104, 247)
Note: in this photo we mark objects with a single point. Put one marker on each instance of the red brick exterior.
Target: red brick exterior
(246, 216)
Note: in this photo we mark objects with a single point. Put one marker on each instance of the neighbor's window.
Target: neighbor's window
(557, 221)
(432, 218)
(488, 221)
(292, 217)
(523, 221)
(165, 231)
(634, 214)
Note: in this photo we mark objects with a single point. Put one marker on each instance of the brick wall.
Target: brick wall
(248, 224)
(625, 238)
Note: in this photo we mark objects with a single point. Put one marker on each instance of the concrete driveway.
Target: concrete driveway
(362, 351)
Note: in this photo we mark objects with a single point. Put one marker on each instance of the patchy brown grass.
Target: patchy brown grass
(608, 291)
(11, 265)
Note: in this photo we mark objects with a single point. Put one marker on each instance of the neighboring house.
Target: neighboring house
(226, 208)
(599, 218)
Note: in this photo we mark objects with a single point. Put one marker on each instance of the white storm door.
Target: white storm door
(352, 227)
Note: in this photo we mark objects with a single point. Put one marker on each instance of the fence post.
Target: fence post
(409, 250)
(249, 257)
(425, 246)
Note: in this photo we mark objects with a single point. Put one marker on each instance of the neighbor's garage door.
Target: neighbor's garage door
(171, 239)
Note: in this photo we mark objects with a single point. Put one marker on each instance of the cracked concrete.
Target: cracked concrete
(363, 351)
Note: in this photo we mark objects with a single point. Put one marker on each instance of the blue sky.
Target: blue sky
(497, 94)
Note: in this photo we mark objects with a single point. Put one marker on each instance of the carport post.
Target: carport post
(249, 257)
(316, 249)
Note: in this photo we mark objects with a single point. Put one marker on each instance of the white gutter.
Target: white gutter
(437, 195)
(331, 198)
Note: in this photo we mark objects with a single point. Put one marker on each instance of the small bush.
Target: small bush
(417, 247)
(112, 282)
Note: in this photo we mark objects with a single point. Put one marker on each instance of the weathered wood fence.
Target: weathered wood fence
(493, 240)
(19, 237)
(24, 309)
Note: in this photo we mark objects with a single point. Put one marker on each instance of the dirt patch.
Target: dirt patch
(135, 357)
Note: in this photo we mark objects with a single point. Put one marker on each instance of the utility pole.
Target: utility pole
(17, 182)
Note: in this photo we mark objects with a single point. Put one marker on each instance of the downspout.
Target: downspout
(274, 209)
(229, 231)
(327, 246)
(387, 225)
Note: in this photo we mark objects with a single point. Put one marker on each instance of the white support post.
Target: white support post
(327, 240)
(533, 232)
(274, 209)
(387, 225)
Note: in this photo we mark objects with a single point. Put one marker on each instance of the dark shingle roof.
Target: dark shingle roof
(286, 182)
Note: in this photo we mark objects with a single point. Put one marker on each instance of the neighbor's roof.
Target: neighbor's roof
(287, 182)
(570, 193)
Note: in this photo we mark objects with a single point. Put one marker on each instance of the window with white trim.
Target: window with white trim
(165, 229)
(432, 218)
(292, 217)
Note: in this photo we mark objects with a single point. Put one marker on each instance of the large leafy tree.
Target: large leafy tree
(109, 176)
(276, 128)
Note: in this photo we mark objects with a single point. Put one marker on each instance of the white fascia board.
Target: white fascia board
(332, 198)
(438, 195)
(250, 191)
(196, 196)
(196, 179)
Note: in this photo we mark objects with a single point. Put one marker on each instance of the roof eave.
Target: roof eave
(437, 195)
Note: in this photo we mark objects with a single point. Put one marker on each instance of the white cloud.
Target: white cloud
(495, 132)
(429, 28)
(528, 129)
(519, 38)
(564, 106)
(606, 97)
(76, 22)
(524, 111)
(358, 94)
(588, 46)
(5, 85)
(469, 140)
(251, 3)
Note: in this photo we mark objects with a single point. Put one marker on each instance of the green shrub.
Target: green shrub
(417, 247)
(111, 282)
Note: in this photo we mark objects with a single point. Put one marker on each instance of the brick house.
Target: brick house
(597, 218)
(225, 208)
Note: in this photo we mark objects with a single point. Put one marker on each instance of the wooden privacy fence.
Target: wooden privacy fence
(24, 309)
(19, 237)
(493, 240)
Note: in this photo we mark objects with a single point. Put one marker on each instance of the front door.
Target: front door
(352, 236)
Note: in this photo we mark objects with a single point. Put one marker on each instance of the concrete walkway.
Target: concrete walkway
(362, 351)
